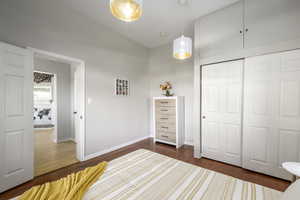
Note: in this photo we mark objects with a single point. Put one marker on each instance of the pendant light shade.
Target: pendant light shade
(182, 48)
(126, 10)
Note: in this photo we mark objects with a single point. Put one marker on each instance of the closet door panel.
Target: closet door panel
(271, 133)
(221, 111)
(272, 23)
(211, 126)
(259, 109)
(289, 110)
(232, 140)
(288, 138)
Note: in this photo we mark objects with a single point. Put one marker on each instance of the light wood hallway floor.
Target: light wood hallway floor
(50, 156)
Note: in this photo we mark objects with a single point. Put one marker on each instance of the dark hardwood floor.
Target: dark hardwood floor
(185, 154)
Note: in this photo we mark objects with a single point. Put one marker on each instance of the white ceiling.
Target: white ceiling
(159, 16)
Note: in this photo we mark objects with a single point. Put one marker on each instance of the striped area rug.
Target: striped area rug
(145, 175)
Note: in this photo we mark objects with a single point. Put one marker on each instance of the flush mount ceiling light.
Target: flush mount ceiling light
(126, 10)
(182, 48)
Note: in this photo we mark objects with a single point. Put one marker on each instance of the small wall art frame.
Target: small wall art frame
(121, 87)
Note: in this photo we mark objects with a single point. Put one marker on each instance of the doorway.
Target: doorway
(16, 112)
(58, 111)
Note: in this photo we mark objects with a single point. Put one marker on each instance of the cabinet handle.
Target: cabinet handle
(241, 31)
(165, 136)
(163, 102)
(164, 110)
(164, 118)
(164, 127)
(246, 29)
(204, 117)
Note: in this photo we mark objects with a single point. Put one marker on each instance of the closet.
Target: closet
(250, 108)
(262, 95)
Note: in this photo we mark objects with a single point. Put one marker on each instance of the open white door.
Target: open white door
(79, 111)
(16, 116)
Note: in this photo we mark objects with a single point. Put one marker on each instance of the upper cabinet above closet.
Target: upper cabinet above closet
(248, 28)
(272, 24)
(220, 32)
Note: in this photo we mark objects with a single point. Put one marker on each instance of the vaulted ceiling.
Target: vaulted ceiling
(161, 23)
(162, 20)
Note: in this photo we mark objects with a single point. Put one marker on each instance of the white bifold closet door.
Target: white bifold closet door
(222, 111)
(271, 127)
(16, 116)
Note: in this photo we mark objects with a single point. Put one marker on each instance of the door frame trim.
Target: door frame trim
(80, 63)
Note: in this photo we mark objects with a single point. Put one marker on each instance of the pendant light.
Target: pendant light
(182, 48)
(126, 10)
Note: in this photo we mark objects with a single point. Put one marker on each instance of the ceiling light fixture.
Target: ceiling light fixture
(163, 34)
(183, 2)
(126, 10)
(182, 48)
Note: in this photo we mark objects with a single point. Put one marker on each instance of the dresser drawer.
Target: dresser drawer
(165, 102)
(166, 119)
(165, 111)
(166, 127)
(169, 137)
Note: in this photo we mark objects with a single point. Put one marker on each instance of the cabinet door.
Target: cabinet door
(220, 33)
(221, 111)
(273, 25)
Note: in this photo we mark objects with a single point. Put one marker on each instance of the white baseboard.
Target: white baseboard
(113, 148)
(186, 142)
(73, 140)
(189, 143)
(64, 140)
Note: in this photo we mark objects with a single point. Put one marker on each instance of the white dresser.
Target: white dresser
(168, 118)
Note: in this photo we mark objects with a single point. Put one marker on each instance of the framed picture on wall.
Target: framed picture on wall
(121, 87)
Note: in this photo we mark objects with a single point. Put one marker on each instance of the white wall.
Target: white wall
(163, 67)
(110, 120)
(63, 91)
